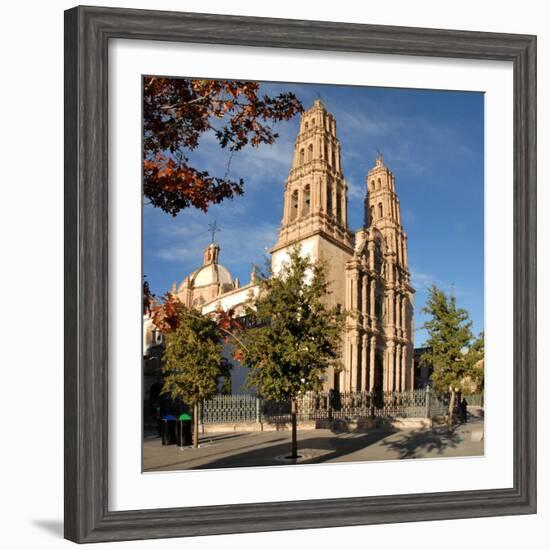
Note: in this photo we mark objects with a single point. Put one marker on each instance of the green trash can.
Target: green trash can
(184, 436)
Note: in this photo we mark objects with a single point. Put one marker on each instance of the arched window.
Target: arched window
(379, 184)
(329, 199)
(306, 126)
(371, 213)
(373, 185)
(307, 200)
(294, 205)
(301, 157)
(380, 210)
(313, 121)
(310, 152)
(339, 206)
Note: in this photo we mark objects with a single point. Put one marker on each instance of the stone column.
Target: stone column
(404, 368)
(372, 359)
(300, 203)
(346, 361)
(344, 208)
(398, 311)
(355, 290)
(314, 199)
(385, 374)
(372, 300)
(399, 255)
(364, 359)
(364, 292)
(370, 247)
(391, 366)
(411, 381)
(398, 368)
(286, 214)
(354, 366)
(391, 307)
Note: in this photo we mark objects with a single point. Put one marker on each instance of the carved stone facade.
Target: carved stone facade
(367, 270)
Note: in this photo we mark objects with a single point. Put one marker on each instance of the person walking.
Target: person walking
(464, 411)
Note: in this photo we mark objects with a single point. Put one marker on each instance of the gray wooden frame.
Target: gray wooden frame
(87, 34)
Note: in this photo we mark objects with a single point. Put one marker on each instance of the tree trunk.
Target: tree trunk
(450, 418)
(196, 425)
(294, 443)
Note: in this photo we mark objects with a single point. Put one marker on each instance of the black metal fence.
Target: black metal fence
(422, 403)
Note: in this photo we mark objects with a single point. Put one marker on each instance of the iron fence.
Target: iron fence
(422, 403)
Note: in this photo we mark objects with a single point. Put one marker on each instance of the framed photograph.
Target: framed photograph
(300, 274)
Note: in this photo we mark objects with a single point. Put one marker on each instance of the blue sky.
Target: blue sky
(431, 140)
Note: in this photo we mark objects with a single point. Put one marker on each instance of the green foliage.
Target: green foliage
(193, 361)
(450, 338)
(296, 335)
(475, 361)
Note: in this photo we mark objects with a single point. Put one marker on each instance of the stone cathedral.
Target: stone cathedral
(367, 269)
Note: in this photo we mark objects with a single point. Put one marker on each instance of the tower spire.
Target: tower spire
(382, 208)
(315, 197)
(213, 228)
(379, 161)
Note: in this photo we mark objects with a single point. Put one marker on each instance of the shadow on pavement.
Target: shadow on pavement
(192, 455)
(415, 444)
(335, 448)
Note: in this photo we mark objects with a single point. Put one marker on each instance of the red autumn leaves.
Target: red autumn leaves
(167, 313)
(176, 114)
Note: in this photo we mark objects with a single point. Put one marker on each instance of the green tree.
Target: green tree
(450, 336)
(193, 361)
(475, 360)
(296, 335)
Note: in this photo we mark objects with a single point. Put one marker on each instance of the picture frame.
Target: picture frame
(87, 34)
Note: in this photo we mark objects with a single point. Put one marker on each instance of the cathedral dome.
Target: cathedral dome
(212, 274)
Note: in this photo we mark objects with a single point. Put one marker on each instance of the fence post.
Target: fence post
(258, 410)
(428, 401)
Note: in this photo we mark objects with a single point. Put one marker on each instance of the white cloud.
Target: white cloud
(239, 245)
(355, 191)
(423, 281)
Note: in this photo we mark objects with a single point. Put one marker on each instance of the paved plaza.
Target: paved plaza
(245, 449)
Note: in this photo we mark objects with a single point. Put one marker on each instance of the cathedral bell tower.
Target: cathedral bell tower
(315, 206)
(315, 197)
(378, 343)
(383, 212)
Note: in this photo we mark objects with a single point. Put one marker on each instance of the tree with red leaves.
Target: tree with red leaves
(167, 315)
(177, 112)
